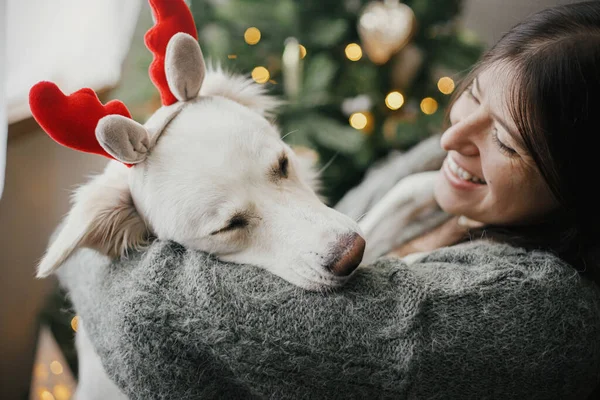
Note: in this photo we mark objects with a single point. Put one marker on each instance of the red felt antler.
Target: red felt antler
(71, 120)
(172, 16)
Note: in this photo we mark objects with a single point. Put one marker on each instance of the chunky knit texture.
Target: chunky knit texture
(473, 321)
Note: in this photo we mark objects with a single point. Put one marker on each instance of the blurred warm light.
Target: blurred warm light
(394, 100)
(75, 323)
(232, 56)
(56, 368)
(46, 395)
(40, 371)
(446, 85)
(429, 105)
(61, 392)
(260, 75)
(353, 52)
(302, 51)
(358, 120)
(252, 35)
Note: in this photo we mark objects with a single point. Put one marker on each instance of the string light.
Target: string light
(394, 100)
(232, 56)
(261, 75)
(429, 105)
(56, 368)
(362, 121)
(358, 120)
(75, 323)
(40, 371)
(353, 52)
(46, 395)
(302, 51)
(446, 85)
(61, 392)
(252, 35)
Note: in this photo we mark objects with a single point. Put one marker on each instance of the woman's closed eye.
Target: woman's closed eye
(509, 151)
(504, 148)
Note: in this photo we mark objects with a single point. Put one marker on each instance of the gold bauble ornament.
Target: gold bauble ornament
(385, 28)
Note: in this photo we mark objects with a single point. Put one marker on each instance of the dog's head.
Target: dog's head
(209, 171)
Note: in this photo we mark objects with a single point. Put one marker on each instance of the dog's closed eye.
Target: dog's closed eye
(238, 221)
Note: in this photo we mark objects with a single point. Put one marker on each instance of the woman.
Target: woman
(510, 312)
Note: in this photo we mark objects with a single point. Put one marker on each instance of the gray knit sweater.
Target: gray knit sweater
(473, 321)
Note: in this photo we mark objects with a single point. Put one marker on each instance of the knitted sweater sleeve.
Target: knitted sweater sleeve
(472, 321)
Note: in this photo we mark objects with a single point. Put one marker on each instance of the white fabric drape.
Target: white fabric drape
(3, 123)
(74, 43)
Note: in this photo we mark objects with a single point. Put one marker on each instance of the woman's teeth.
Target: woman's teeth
(462, 174)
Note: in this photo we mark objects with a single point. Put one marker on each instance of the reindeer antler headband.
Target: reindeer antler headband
(80, 121)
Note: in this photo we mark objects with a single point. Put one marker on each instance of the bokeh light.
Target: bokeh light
(446, 85)
(394, 100)
(61, 392)
(302, 51)
(429, 105)
(353, 52)
(358, 120)
(56, 368)
(252, 35)
(75, 323)
(46, 395)
(261, 75)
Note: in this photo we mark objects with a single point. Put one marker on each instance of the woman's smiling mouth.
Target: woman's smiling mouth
(459, 177)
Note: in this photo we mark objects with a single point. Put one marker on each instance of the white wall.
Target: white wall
(491, 18)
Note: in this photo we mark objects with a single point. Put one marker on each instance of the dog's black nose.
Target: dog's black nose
(348, 253)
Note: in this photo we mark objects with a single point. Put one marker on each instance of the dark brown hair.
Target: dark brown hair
(554, 56)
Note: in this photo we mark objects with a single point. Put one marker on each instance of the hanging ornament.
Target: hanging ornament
(385, 28)
(352, 105)
(406, 65)
(292, 67)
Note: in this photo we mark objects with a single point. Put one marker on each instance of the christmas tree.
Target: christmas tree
(359, 77)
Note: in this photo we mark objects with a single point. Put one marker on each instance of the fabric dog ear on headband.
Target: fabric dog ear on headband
(184, 66)
(123, 138)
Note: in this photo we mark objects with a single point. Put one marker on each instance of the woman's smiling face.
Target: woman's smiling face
(488, 176)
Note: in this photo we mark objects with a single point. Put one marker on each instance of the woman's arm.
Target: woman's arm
(469, 321)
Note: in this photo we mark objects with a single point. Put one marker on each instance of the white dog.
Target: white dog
(208, 170)
(219, 180)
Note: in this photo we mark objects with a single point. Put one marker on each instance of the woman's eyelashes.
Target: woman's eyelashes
(501, 146)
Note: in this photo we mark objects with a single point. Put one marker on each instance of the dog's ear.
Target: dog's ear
(184, 66)
(103, 217)
(240, 89)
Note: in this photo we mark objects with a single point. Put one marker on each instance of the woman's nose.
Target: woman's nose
(463, 136)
